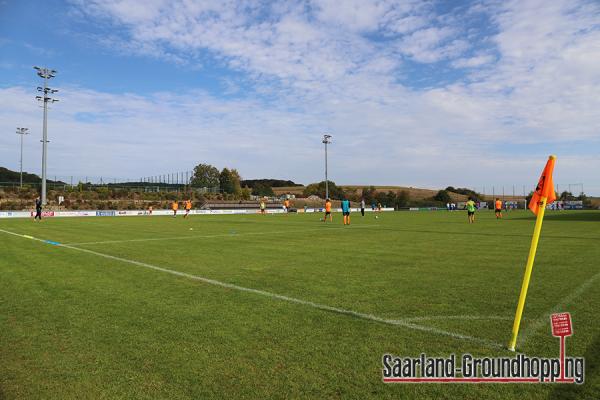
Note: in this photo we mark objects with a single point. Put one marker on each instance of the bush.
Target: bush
(103, 193)
(261, 189)
(402, 199)
(318, 189)
(443, 197)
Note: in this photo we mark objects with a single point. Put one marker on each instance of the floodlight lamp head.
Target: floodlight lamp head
(326, 138)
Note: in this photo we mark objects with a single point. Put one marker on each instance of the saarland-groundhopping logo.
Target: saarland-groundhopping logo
(518, 369)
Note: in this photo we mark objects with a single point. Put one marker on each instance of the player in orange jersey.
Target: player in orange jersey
(498, 208)
(286, 206)
(328, 211)
(188, 207)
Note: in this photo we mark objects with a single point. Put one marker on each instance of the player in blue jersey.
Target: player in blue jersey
(346, 211)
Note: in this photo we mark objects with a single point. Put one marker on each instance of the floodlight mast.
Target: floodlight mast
(46, 74)
(21, 132)
(326, 141)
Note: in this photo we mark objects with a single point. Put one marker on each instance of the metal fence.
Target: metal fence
(127, 186)
(510, 192)
(169, 182)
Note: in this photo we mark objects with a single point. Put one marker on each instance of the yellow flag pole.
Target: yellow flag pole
(527, 276)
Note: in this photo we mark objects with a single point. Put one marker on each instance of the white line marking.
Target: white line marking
(545, 318)
(202, 236)
(459, 317)
(370, 317)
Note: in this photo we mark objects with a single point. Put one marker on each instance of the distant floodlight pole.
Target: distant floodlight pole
(21, 132)
(46, 74)
(326, 141)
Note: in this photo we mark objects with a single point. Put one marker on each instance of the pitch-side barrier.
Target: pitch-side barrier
(132, 213)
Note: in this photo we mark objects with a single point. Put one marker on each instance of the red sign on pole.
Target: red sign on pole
(561, 325)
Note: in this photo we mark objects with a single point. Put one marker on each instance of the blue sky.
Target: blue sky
(416, 93)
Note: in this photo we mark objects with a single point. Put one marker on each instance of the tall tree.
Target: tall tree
(226, 181)
(246, 193)
(236, 180)
(369, 194)
(402, 199)
(205, 175)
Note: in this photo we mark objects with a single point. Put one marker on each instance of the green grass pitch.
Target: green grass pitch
(77, 324)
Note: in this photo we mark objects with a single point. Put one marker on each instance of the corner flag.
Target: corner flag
(544, 188)
(544, 193)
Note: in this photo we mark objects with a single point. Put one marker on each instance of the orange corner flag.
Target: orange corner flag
(544, 188)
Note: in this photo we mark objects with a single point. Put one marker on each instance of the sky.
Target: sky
(414, 93)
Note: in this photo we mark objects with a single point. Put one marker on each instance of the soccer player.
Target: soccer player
(263, 207)
(175, 207)
(188, 207)
(38, 209)
(150, 210)
(362, 207)
(498, 208)
(286, 206)
(346, 211)
(470, 206)
(328, 211)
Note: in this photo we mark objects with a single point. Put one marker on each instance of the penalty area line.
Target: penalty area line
(319, 306)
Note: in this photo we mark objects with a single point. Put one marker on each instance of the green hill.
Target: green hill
(6, 175)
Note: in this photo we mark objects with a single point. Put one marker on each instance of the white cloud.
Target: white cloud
(472, 62)
(432, 44)
(355, 15)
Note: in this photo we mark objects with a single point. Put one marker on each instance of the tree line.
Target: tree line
(369, 194)
(229, 181)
